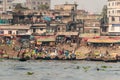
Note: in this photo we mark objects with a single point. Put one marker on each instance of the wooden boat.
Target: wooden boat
(110, 60)
(94, 59)
(22, 59)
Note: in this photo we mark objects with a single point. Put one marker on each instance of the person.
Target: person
(73, 56)
(1, 53)
(66, 53)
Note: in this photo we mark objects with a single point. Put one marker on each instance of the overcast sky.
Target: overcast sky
(90, 5)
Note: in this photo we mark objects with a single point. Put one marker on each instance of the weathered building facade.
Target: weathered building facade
(114, 17)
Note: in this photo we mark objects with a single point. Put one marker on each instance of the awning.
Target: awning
(45, 38)
(68, 33)
(103, 40)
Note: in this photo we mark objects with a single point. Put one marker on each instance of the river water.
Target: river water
(58, 70)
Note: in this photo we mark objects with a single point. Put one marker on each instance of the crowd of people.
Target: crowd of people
(36, 52)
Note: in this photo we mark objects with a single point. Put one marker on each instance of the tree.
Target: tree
(43, 7)
(104, 19)
(19, 7)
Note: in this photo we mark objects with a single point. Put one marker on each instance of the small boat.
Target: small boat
(93, 59)
(22, 59)
(110, 60)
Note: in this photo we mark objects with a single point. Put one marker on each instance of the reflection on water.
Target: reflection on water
(59, 70)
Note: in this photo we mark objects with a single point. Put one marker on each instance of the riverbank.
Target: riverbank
(83, 53)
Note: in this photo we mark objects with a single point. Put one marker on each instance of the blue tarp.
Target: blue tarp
(116, 25)
(46, 18)
(3, 21)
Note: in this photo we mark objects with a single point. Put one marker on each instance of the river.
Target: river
(58, 70)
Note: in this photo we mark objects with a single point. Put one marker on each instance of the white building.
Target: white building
(114, 17)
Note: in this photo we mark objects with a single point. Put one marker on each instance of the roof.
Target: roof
(14, 27)
(45, 38)
(43, 25)
(68, 33)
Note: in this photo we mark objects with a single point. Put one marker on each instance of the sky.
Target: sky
(93, 6)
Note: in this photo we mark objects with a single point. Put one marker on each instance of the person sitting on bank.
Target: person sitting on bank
(1, 53)
(72, 55)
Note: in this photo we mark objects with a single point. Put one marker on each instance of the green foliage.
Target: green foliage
(104, 19)
(86, 68)
(43, 7)
(30, 73)
(20, 7)
(104, 67)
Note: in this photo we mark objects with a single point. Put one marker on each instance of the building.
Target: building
(14, 30)
(114, 17)
(6, 5)
(37, 4)
(66, 7)
(90, 22)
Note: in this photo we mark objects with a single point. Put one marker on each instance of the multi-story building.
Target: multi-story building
(5, 5)
(66, 7)
(37, 4)
(91, 23)
(114, 17)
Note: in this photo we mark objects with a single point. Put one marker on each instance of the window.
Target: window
(113, 19)
(41, 2)
(46, 3)
(9, 7)
(118, 3)
(38, 3)
(41, 29)
(34, 8)
(118, 11)
(109, 4)
(9, 32)
(33, 3)
(113, 4)
(58, 29)
(113, 11)
(34, 30)
(1, 32)
(16, 32)
(112, 28)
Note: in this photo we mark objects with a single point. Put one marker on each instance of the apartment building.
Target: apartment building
(114, 17)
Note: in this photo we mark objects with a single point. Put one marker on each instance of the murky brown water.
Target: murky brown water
(59, 70)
